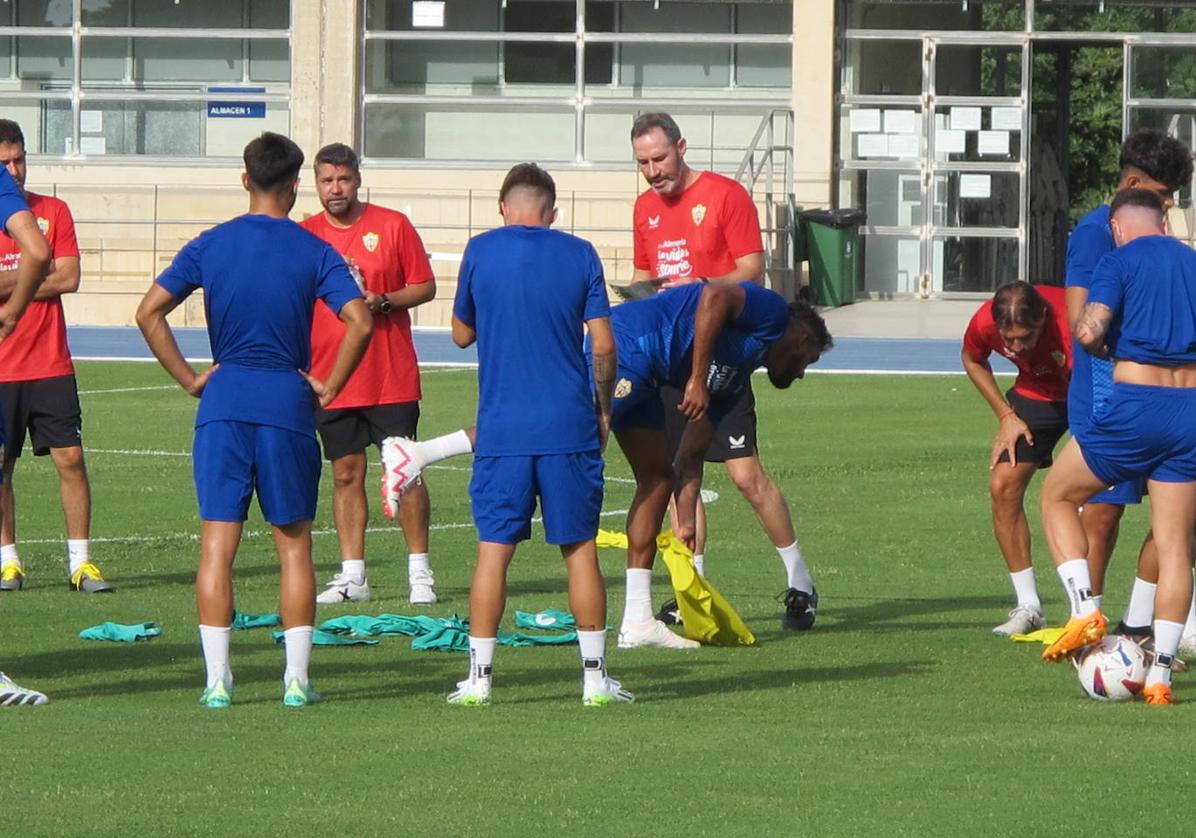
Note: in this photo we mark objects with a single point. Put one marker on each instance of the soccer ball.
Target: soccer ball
(1112, 670)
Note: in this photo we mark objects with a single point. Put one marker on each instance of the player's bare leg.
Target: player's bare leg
(487, 601)
(297, 605)
(350, 514)
(1102, 523)
(1007, 492)
(75, 493)
(646, 450)
(12, 572)
(415, 512)
(587, 601)
(214, 601)
(1172, 518)
(1069, 484)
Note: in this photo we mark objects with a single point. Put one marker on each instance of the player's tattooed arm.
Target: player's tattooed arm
(606, 368)
(1092, 327)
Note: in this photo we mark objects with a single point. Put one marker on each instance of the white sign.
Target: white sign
(965, 119)
(91, 122)
(426, 14)
(947, 141)
(1006, 119)
(873, 145)
(900, 122)
(905, 146)
(92, 145)
(975, 186)
(993, 142)
(865, 120)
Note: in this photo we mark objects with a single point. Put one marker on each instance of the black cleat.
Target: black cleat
(1139, 634)
(800, 608)
(669, 613)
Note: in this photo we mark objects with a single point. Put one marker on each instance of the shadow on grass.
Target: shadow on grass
(895, 613)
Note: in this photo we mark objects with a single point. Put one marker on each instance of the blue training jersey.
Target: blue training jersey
(655, 337)
(11, 199)
(1091, 377)
(1150, 284)
(261, 277)
(527, 292)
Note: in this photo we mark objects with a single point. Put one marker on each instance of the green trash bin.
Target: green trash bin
(833, 251)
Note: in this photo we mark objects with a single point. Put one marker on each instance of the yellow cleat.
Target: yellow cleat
(1158, 694)
(89, 580)
(1079, 632)
(12, 577)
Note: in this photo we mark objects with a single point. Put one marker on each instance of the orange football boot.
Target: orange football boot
(1158, 694)
(1079, 632)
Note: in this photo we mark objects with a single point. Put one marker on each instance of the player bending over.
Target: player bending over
(1141, 312)
(525, 294)
(261, 275)
(705, 339)
(1028, 325)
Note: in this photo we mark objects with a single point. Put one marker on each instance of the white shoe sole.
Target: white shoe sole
(656, 639)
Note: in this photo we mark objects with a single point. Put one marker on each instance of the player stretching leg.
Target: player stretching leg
(261, 275)
(1028, 325)
(526, 294)
(18, 222)
(1146, 289)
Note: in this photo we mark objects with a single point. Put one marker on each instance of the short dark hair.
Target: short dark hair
(272, 162)
(1019, 304)
(338, 154)
(645, 122)
(10, 133)
(1136, 198)
(815, 333)
(1158, 156)
(529, 176)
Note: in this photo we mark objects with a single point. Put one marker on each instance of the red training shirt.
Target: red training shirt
(699, 233)
(1044, 372)
(389, 255)
(37, 348)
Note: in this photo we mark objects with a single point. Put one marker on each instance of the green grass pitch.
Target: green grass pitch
(900, 714)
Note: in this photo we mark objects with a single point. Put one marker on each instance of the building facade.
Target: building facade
(951, 122)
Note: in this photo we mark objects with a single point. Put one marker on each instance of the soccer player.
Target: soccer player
(1153, 161)
(18, 222)
(1028, 325)
(524, 293)
(261, 275)
(381, 398)
(706, 339)
(696, 226)
(37, 383)
(1141, 312)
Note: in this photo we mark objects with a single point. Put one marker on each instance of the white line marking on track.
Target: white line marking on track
(130, 389)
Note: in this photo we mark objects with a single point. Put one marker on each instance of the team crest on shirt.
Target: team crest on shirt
(698, 213)
(370, 240)
(622, 388)
(1060, 358)
(43, 224)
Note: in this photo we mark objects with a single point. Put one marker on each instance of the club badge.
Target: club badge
(698, 213)
(43, 224)
(1060, 358)
(622, 388)
(370, 240)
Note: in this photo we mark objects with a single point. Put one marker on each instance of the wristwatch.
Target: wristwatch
(385, 305)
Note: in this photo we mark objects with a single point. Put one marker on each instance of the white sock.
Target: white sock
(298, 650)
(1078, 586)
(1190, 625)
(1166, 644)
(354, 569)
(78, 552)
(638, 605)
(593, 656)
(795, 568)
(214, 640)
(1140, 609)
(441, 448)
(1025, 588)
(481, 657)
(418, 562)
(8, 555)
(700, 564)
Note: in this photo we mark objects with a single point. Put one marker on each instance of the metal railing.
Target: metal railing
(769, 159)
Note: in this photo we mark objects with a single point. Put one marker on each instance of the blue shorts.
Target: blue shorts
(503, 491)
(1121, 494)
(232, 460)
(1144, 432)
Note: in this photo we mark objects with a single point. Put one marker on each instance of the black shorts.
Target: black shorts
(1047, 422)
(47, 409)
(349, 430)
(734, 436)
